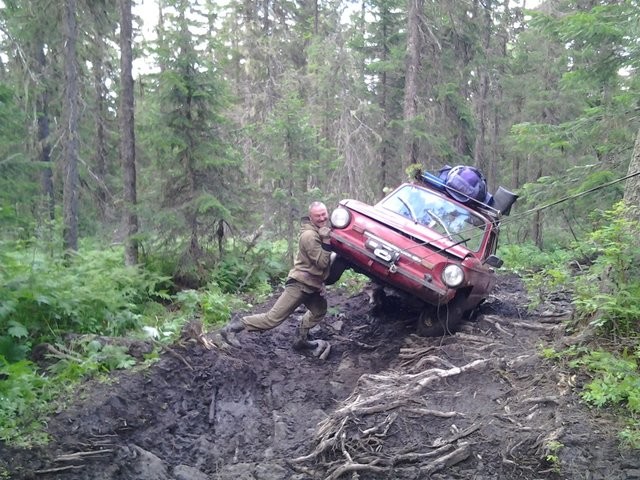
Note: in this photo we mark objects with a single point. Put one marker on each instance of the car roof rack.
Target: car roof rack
(499, 204)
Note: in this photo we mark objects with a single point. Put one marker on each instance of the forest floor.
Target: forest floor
(385, 404)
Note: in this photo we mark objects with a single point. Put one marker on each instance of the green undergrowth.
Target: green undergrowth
(30, 393)
(602, 274)
(613, 382)
(352, 282)
(91, 295)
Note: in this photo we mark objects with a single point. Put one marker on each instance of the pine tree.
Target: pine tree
(190, 137)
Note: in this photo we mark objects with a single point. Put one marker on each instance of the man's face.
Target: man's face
(319, 216)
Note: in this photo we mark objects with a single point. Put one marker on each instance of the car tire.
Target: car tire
(338, 266)
(439, 321)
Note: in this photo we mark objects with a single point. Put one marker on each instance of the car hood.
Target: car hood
(398, 222)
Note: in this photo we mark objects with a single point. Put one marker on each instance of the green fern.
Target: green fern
(25, 398)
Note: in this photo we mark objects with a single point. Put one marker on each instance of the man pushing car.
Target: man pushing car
(304, 286)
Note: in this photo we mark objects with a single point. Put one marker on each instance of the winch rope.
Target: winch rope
(517, 216)
(570, 197)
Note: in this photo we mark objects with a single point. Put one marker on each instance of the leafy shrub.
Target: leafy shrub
(526, 259)
(603, 271)
(608, 293)
(24, 398)
(543, 272)
(44, 296)
(352, 282)
(89, 357)
(630, 436)
(614, 382)
(616, 379)
(211, 304)
(251, 270)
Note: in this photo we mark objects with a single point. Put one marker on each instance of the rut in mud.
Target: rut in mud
(386, 404)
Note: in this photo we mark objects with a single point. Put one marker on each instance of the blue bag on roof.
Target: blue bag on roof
(465, 183)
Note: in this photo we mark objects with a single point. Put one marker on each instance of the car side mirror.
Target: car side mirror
(494, 261)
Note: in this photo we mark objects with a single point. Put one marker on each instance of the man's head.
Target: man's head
(318, 214)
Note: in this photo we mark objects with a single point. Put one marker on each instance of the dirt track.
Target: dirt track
(385, 405)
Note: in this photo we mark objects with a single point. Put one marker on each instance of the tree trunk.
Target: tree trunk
(385, 151)
(316, 17)
(44, 146)
(536, 226)
(100, 153)
(160, 32)
(632, 185)
(127, 136)
(415, 10)
(70, 184)
(292, 210)
(482, 97)
(496, 95)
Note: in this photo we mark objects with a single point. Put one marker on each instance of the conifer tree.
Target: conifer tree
(191, 141)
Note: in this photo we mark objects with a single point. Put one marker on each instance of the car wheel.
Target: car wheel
(439, 321)
(338, 266)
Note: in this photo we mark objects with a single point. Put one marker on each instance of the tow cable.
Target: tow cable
(542, 207)
(577, 195)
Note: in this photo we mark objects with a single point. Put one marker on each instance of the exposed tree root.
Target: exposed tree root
(474, 338)
(433, 413)
(548, 399)
(354, 467)
(58, 469)
(537, 326)
(79, 455)
(411, 356)
(460, 454)
(495, 321)
(178, 356)
(360, 449)
(77, 458)
(363, 345)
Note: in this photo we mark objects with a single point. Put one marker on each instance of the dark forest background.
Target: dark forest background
(239, 115)
(171, 168)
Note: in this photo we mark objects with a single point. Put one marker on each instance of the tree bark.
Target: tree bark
(100, 154)
(536, 226)
(160, 33)
(415, 9)
(482, 97)
(632, 185)
(44, 145)
(127, 134)
(385, 150)
(70, 183)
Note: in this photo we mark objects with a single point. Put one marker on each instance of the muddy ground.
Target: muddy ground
(386, 404)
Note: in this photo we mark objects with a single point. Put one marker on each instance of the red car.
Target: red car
(434, 239)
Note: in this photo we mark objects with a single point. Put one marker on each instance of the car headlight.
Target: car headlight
(340, 217)
(452, 275)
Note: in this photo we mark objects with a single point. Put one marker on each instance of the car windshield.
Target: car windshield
(447, 218)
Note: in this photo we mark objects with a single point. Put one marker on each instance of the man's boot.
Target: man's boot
(317, 348)
(228, 332)
(302, 342)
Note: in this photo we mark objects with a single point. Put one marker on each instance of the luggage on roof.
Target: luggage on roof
(467, 184)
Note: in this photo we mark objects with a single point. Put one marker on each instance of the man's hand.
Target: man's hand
(324, 234)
